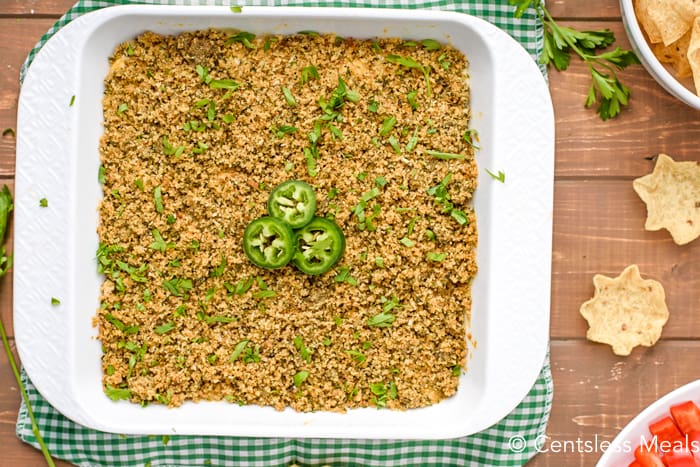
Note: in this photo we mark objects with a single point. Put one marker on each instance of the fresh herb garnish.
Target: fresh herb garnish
(238, 350)
(158, 199)
(304, 352)
(252, 354)
(411, 98)
(445, 155)
(382, 320)
(170, 150)
(201, 148)
(460, 216)
(178, 287)
(243, 37)
(442, 197)
(307, 74)
(373, 106)
(300, 377)
(437, 257)
(282, 130)
(55, 301)
(331, 106)
(262, 294)
(471, 137)
(344, 276)
(501, 177)
(356, 355)
(164, 328)
(382, 392)
(605, 89)
(44, 203)
(408, 62)
(219, 319)
(288, 96)
(218, 271)
(385, 318)
(430, 44)
(365, 222)
(159, 244)
(387, 125)
(407, 242)
(117, 393)
(241, 286)
(203, 74)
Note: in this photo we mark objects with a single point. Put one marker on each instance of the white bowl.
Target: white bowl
(57, 158)
(621, 450)
(661, 73)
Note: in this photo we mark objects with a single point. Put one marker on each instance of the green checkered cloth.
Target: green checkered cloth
(510, 442)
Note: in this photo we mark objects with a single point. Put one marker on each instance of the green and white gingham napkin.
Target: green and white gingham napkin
(510, 442)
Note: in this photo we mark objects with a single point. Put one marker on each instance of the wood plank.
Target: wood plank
(654, 122)
(558, 8)
(599, 228)
(598, 9)
(596, 393)
(35, 8)
(17, 37)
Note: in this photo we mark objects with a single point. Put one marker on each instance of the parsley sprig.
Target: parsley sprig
(606, 90)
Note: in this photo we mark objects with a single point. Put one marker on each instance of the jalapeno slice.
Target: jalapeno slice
(294, 202)
(268, 242)
(320, 244)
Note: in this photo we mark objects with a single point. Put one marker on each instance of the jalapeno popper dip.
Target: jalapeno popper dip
(199, 128)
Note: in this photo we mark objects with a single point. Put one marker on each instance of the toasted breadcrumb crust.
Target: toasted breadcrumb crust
(187, 317)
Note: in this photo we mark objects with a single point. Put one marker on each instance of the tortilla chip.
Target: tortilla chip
(694, 54)
(675, 55)
(671, 24)
(672, 195)
(688, 10)
(641, 8)
(625, 311)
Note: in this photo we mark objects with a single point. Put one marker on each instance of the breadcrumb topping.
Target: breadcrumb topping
(198, 129)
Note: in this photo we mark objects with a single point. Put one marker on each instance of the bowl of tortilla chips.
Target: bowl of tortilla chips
(665, 34)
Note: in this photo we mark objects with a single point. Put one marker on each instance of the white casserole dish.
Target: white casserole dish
(57, 158)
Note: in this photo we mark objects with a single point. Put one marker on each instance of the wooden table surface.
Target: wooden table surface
(598, 228)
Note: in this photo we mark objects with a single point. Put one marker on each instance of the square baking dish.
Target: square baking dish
(57, 158)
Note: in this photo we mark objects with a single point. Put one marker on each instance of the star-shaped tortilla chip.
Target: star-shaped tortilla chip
(625, 311)
(672, 195)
